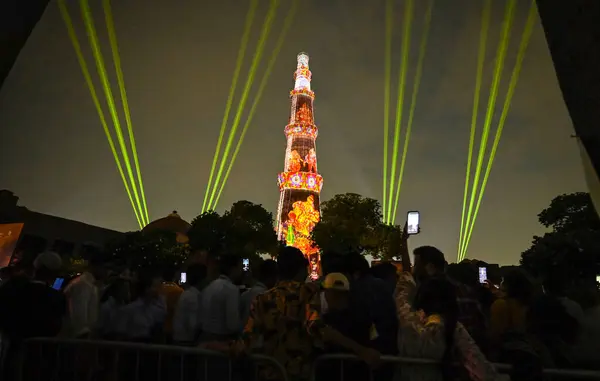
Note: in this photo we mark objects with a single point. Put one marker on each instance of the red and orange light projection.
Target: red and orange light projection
(300, 183)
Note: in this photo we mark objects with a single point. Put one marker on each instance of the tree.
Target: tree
(246, 229)
(572, 247)
(142, 250)
(351, 223)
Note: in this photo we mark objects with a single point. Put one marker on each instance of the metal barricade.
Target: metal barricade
(558, 374)
(49, 359)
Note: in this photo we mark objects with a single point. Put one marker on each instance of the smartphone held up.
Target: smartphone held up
(412, 222)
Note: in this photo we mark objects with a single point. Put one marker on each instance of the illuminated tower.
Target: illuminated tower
(300, 183)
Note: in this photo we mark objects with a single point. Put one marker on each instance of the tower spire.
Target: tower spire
(300, 183)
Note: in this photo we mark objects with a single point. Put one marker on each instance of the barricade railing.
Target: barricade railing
(51, 359)
(560, 374)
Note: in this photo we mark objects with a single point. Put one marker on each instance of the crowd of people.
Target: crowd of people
(432, 310)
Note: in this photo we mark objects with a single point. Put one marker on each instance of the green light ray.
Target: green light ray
(93, 38)
(408, 16)
(263, 83)
(255, 61)
(413, 103)
(389, 24)
(236, 74)
(88, 79)
(485, 25)
(112, 36)
(500, 57)
(514, 78)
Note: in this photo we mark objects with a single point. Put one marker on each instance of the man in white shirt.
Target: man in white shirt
(267, 277)
(187, 321)
(83, 299)
(221, 319)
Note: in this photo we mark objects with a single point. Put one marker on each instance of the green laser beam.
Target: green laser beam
(413, 102)
(112, 36)
(263, 83)
(236, 74)
(389, 25)
(88, 79)
(255, 61)
(93, 38)
(514, 78)
(485, 24)
(408, 16)
(500, 56)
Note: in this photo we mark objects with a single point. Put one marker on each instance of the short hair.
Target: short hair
(48, 260)
(358, 264)
(267, 270)
(169, 273)
(195, 273)
(384, 270)
(228, 262)
(431, 255)
(290, 261)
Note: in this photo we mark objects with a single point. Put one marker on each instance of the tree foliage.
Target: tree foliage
(351, 223)
(157, 250)
(572, 246)
(246, 229)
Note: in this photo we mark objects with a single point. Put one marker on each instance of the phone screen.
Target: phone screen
(482, 274)
(412, 221)
(246, 264)
(58, 282)
(183, 278)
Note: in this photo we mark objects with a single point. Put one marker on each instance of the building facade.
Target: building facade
(40, 232)
(300, 183)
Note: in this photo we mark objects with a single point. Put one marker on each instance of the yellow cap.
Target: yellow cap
(336, 281)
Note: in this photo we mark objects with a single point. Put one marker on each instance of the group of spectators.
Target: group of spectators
(431, 310)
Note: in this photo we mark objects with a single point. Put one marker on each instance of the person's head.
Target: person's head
(387, 272)
(464, 272)
(437, 296)
(148, 284)
(169, 273)
(517, 285)
(555, 284)
(337, 290)
(428, 262)
(196, 273)
(359, 266)
(119, 289)
(231, 266)
(47, 266)
(268, 273)
(292, 264)
(97, 268)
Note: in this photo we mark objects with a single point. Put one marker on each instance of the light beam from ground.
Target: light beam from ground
(514, 78)
(238, 67)
(255, 61)
(263, 83)
(112, 36)
(389, 26)
(485, 25)
(88, 79)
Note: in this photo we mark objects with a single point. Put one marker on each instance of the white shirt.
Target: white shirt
(138, 319)
(187, 320)
(248, 297)
(221, 308)
(82, 296)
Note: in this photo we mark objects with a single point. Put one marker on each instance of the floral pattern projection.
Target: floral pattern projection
(300, 183)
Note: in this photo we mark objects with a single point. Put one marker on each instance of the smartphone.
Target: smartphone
(58, 282)
(246, 264)
(412, 221)
(482, 275)
(183, 278)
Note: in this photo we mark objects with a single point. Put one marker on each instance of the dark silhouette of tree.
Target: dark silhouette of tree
(351, 223)
(572, 247)
(142, 250)
(245, 230)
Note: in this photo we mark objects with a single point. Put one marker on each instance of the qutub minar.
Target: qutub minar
(300, 183)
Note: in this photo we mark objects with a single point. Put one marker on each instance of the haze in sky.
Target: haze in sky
(178, 58)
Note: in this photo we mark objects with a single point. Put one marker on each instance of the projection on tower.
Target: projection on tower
(300, 183)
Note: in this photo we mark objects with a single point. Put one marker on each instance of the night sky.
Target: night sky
(178, 58)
